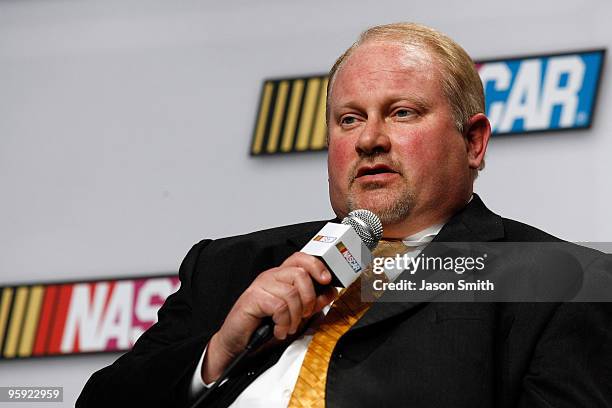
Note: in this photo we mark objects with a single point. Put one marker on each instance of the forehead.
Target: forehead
(378, 67)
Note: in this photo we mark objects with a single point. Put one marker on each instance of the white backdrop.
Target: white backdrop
(125, 129)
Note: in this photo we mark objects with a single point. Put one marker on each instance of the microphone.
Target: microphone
(344, 248)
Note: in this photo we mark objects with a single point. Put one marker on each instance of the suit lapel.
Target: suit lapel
(475, 223)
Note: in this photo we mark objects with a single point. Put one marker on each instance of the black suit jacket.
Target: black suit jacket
(399, 354)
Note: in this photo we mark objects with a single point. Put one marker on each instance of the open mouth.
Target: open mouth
(374, 170)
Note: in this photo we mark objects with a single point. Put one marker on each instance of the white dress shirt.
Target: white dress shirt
(273, 388)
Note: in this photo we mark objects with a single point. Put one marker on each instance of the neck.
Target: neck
(420, 220)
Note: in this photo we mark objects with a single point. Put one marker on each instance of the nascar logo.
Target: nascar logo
(55, 319)
(525, 94)
(541, 93)
(348, 256)
(324, 239)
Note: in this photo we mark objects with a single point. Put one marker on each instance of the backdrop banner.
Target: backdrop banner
(79, 317)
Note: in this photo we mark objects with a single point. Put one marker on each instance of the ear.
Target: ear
(477, 133)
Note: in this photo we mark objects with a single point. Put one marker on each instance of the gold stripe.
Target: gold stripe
(320, 129)
(7, 295)
(263, 118)
(292, 112)
(31, 322)
(279, 109)
(312, 88)
(10, 348)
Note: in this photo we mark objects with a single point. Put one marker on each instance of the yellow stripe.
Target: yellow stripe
(10, 348)
(31, 322)
(262, 119)
(320, 129)
(7, 295)
(312, 88)
(292, 112)
(279, 109)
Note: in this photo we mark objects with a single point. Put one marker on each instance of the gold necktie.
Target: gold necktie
(347, 309)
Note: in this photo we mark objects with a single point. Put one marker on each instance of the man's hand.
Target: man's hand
(286, 293)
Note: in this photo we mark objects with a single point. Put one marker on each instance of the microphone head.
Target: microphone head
(367, 225)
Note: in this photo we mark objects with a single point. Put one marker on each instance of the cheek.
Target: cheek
(417, 154)
(430, 154)
(340, 157)
(445, 158)
(339, 162)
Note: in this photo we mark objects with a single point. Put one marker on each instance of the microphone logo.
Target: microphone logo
(349, 257)
(325, 239)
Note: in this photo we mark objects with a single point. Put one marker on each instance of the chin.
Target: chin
(390, 210)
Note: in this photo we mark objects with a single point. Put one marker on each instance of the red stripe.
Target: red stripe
(111, 289)
(59, 323)
(92, 291)
(44, 323)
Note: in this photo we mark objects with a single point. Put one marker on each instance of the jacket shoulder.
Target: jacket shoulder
(516, 231)
(274, 235)
(264, 248)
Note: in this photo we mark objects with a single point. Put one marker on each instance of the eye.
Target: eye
(347, 120)
(403, 113)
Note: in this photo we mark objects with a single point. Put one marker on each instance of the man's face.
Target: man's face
(393, 145)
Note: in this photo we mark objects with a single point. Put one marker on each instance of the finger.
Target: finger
(302, 280)
(280, 332)
(263, 304)
(325, 298)
(278, 309)
(291, 297)
(312, 265)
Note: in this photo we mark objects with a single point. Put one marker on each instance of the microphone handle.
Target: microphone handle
(263, 333)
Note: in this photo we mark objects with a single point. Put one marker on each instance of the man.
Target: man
(407, 136)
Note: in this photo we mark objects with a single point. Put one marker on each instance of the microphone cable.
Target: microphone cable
(260, 336)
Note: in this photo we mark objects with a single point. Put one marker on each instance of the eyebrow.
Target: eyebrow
(420, 103)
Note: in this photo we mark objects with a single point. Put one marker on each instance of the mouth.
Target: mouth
(377, 171)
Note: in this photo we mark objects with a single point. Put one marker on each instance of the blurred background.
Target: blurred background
(125, 130)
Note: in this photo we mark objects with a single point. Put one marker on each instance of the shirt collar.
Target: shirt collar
(426, 235)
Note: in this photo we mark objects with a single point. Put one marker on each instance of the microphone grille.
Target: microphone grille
(367, 225)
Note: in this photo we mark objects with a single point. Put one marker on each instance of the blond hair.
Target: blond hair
(460, 81)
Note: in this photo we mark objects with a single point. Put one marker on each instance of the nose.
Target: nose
(373, 139)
